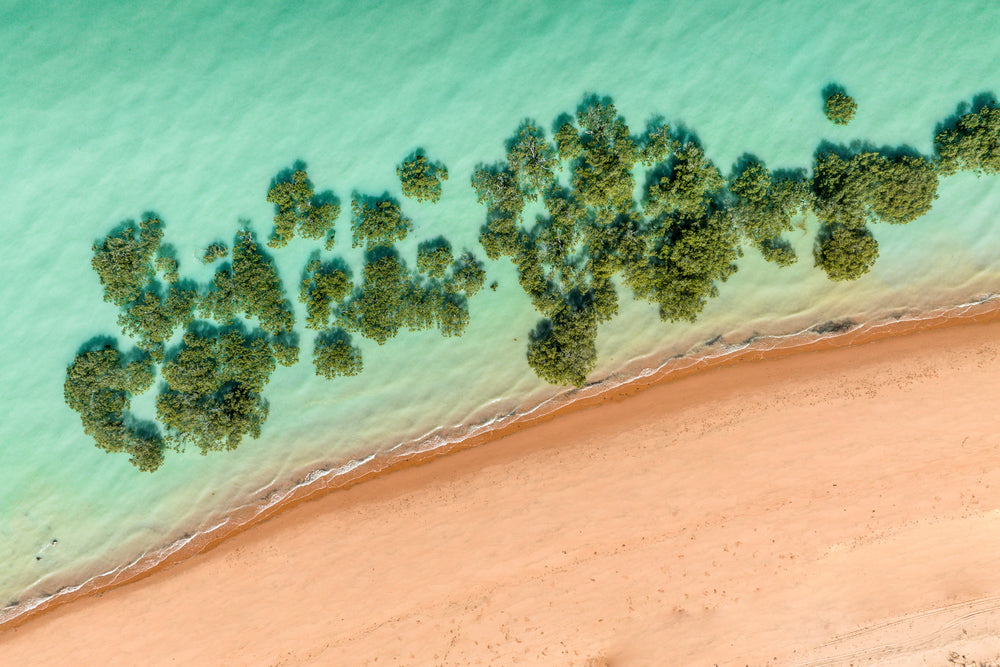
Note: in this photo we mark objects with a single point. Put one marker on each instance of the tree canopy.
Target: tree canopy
(125, 266)
(300, 210)
(251, 287)
(657, 145)
(467, 275)
(214, 251)
(498, 187)
(324, 286)
(420, 178)
(562, 350)
(847, 253)
(168, 266)
(334, 356)
(213, 390)
(212, 395)
(972, 145)
(765, 207)
(872, 187)
(688, 188)
(124, 260)
(434, 257)
(532, 160)
(689, 258)
(390, 298)
(840, 108)
(153, 317)
(99, 386)
(592, 230)
(378, 311)
(602, 178)
(378, 221)
(568, 142)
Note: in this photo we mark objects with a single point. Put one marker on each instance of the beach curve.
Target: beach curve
(976, 318)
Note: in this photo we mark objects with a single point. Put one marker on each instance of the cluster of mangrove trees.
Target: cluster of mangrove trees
(215, 346)
(590, 211)
(598, 208)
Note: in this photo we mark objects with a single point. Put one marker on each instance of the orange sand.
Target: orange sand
(834, 507)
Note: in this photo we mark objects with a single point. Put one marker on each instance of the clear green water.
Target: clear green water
(189, 111)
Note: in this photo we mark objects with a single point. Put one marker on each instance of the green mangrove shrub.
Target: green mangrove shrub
(215, 251)
(99, 387)
(591, 232)
(420, 178)
(765, 208)
(846, 253)
(972, 145)
(300, 210)
(250, 287)
(840, 108)
(213, 394)
(124, 260)
(325, 285)
(168, 266)
(434, 257)
(378, 221)
(334, 356)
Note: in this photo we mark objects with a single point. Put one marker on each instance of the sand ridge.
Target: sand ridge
(835, 507)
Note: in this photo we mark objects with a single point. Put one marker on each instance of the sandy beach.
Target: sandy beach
(834, 507)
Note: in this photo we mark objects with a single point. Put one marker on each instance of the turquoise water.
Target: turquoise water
(190, 110)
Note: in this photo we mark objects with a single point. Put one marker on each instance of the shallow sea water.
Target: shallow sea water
(190, 110)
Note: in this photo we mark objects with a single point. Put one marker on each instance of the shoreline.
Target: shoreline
(312, 486)
(808, 511)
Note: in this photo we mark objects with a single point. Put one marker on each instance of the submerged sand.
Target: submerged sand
(826, 508)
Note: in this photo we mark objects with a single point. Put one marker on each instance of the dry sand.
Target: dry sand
(827, 508)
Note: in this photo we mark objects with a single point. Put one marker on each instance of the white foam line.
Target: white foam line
(433, 439)
(149, 560)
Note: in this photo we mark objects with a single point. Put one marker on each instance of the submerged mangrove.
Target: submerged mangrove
(299, 210)
(581, 215)
(420, 178)
(214, 377)
(840, 107)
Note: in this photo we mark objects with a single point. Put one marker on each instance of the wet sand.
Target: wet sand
(838, 506)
